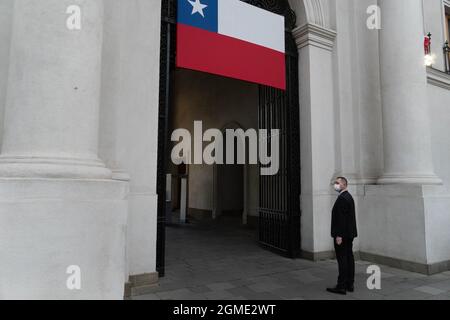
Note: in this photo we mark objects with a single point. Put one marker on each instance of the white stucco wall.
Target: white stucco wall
(340, 117)
(129, 117)
(439, 106)
(437, 204)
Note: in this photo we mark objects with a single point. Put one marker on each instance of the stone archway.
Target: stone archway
(311, 11)
(310, 29)
(217, 206)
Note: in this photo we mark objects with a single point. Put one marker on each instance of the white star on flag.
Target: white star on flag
(197, 7)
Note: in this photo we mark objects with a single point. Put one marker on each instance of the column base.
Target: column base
(141, 284)
(46, 167)
(48, 225)
(389, 179)
(406, 223)
(427, 269)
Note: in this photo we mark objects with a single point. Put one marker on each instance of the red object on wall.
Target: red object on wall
(427, 45)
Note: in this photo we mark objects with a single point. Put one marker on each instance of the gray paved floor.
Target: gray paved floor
(222, 261)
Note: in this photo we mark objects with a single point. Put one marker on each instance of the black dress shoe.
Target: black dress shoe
(337, 290)
(351, 289)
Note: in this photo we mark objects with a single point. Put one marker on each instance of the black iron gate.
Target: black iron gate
(167, 67)
(279, 195)
(279, 212)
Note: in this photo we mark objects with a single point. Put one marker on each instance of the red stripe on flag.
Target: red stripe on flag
(211, 52)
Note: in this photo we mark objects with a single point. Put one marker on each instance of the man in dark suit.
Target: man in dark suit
(344, 231)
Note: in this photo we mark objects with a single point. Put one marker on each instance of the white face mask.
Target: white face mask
(337, 187)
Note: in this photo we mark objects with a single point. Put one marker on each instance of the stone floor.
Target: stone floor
(222, 261)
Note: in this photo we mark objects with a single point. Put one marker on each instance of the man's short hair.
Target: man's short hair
(343, 179)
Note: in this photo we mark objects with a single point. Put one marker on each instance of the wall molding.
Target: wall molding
(141, 284)
(422, 268)
(438, 78)
(314, 35)
(427, 269)
(318, 256)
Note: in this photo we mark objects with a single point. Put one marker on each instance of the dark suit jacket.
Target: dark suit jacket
(343, 220)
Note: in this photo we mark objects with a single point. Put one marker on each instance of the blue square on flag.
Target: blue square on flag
(198, 13)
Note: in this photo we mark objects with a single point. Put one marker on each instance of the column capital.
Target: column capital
(314, 35)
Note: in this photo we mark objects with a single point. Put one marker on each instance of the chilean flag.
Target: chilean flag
(233, 39)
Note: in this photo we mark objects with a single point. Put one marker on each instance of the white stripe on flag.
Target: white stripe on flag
(243, 21)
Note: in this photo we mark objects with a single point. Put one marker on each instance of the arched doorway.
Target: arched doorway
(279, 195)
(234, 178)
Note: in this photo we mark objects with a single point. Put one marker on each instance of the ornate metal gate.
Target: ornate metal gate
(279, 203)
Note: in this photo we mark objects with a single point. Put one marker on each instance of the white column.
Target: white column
(59, 212)
(406, 128)
(317, 131)
(52, 109)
